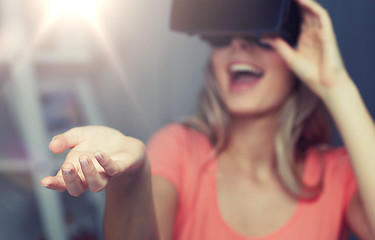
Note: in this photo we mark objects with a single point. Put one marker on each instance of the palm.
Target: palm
(119, 154)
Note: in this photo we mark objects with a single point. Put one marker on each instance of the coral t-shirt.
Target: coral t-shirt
(182, 156)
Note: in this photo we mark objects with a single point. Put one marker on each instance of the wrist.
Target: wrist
(340, 93)
(133, 177)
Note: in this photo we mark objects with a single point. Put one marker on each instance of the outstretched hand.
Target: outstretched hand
(316, 60)
(97, 154)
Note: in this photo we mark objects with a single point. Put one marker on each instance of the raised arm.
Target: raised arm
(318, 63)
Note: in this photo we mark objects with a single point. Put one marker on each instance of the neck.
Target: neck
(251, 145)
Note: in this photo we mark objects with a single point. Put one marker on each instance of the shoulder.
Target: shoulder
(176, 152)
(333, 167)
(177, 133)
(178, 140)
(329, 156)
(337, 159)
(333, 162)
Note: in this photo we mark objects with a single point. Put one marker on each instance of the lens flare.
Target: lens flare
(85, 8)
(88, 10)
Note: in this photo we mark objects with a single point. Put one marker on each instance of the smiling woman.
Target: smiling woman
(254, 161)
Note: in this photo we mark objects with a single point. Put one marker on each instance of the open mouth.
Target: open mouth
(243, 74)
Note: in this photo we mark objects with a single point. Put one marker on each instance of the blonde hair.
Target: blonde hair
(303, 124)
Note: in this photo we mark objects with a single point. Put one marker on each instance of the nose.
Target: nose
(240, 43)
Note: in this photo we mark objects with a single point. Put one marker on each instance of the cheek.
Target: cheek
(218, 61)
(285, 77)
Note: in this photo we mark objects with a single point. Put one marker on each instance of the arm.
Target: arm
(356, 218)
(139, 208)
(317, 62)
(121, 166)
(129, 211)
(357, 130)
(165, 202)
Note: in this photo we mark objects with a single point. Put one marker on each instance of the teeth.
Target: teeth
(244, 68)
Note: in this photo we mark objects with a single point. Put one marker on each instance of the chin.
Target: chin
(259, 111)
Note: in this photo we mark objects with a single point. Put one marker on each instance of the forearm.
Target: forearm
(358, 133)
(129, 211)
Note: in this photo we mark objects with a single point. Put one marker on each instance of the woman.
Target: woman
(257, 167)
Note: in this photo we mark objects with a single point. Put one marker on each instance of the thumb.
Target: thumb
(69, 139)
(287, 52)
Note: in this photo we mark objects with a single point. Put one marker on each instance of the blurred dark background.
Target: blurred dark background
(125, 70)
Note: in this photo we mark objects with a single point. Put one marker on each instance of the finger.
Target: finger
(111, 167)
(54, 183)
(314, 8)
(311, 20)
(323, 20)
(311, 5)
(284, 49)
(307, 19)
(73, 182)
(94, 180)
(66, 140)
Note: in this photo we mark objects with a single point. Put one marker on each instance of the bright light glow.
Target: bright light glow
(84, 8)
(87, 9)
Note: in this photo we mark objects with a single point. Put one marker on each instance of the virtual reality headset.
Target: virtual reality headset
(218, 20)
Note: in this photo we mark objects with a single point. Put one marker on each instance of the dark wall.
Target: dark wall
(354, 22)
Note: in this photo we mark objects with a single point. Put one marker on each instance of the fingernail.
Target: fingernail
(47, 186)
(54, 138)
(98, 156)
(84, 162)
(67, 171)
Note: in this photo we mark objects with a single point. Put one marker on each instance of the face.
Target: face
(252, 78)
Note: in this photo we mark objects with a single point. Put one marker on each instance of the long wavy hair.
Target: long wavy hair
(303, 124)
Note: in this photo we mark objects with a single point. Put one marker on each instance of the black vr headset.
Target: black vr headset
(218, 21)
